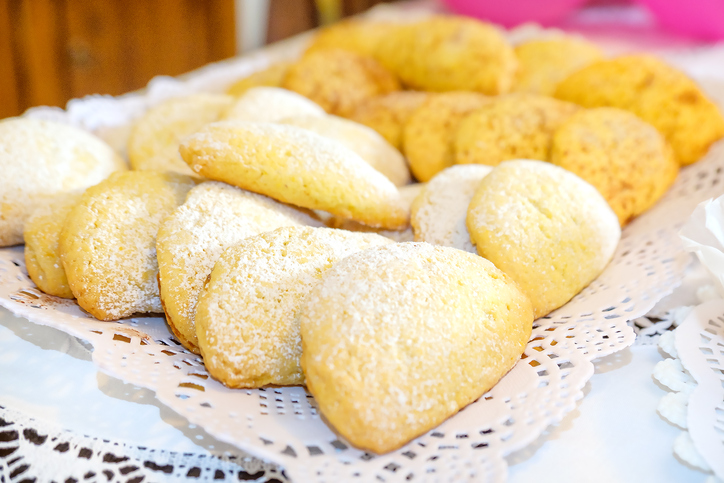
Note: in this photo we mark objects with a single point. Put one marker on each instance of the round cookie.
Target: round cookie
(339, 80)
(439, 212)
(427, 138)
(388, 114)
(271, 104)
(296, 166)
(627, 160)
(445, 53)
(272, 76)
(246, 318)
(545, 227)
(42, 251)
(190, 240)
(398, 338)
(108, 242)
(360, 36)
(543, 63)
(657, 93)
(155, 137)
(362, 140)
(41, 159)
(518, 126)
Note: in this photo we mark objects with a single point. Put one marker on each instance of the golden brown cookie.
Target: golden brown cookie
(360, 36)
(108, 242)
(657, 93)
(627, 160)
(398, 338)
(429, 133)
(339, 80)
(543, 63)
(388, 114)
(272, 76)
(517, 126)
(296, 166)
(190, 240)
(545, 227)
(362, 140)
(41, 159)
(42, 253)
(445, 53)
(246, 318)
(155, 137)
(270, 104)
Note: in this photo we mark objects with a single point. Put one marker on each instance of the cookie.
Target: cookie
(362, 140)
(190, 240)
(271, 104)
(545, 227)
(518, 126)
(108, 242)
(657, 93)
(41, 159)
(246, 318)
(339, 80)
(627, 160)
(439, 212)
(427, 138)
(155, 137)
(272, 76)
(296, 166)
(42, 251)
(388, 114)
(360, 36)
(543, 63)
(398, 338)
(445, 53)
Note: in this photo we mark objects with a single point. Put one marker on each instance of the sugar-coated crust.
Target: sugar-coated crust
(153, 143)
(339, 80)
(190, 240)
(446, 53)
(439, 212)
(429, 133)
(246, 320)
(108, 242)
(545, 227)
(361, 139)
(272, 76)
(516, 126)
(627, 160)
(398, 338)
(388, 114)
(657, 93)
(40, 159)
(42, 251)
(296, 166)
(270, 104)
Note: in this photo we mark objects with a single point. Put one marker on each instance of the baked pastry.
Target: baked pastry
(398, 338)
(155, 137)
(545, 227)
(296, 166)
(439, 212)
(428, 136)
(360, 36)
(543, 63)
(657, 93)
(108, 242)
(246, 318)
(446, 53)
(627, 160)
(339, 80)
(190, 240)
(270, 104)
(272, 76)
(388, 114)
(362, 140)
(41, 159)
(517, 126)
(42, 251)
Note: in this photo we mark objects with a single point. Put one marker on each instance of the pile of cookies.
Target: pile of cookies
(274, 224)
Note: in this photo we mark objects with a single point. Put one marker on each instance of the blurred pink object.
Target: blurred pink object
(513, 12)
(696, 18)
